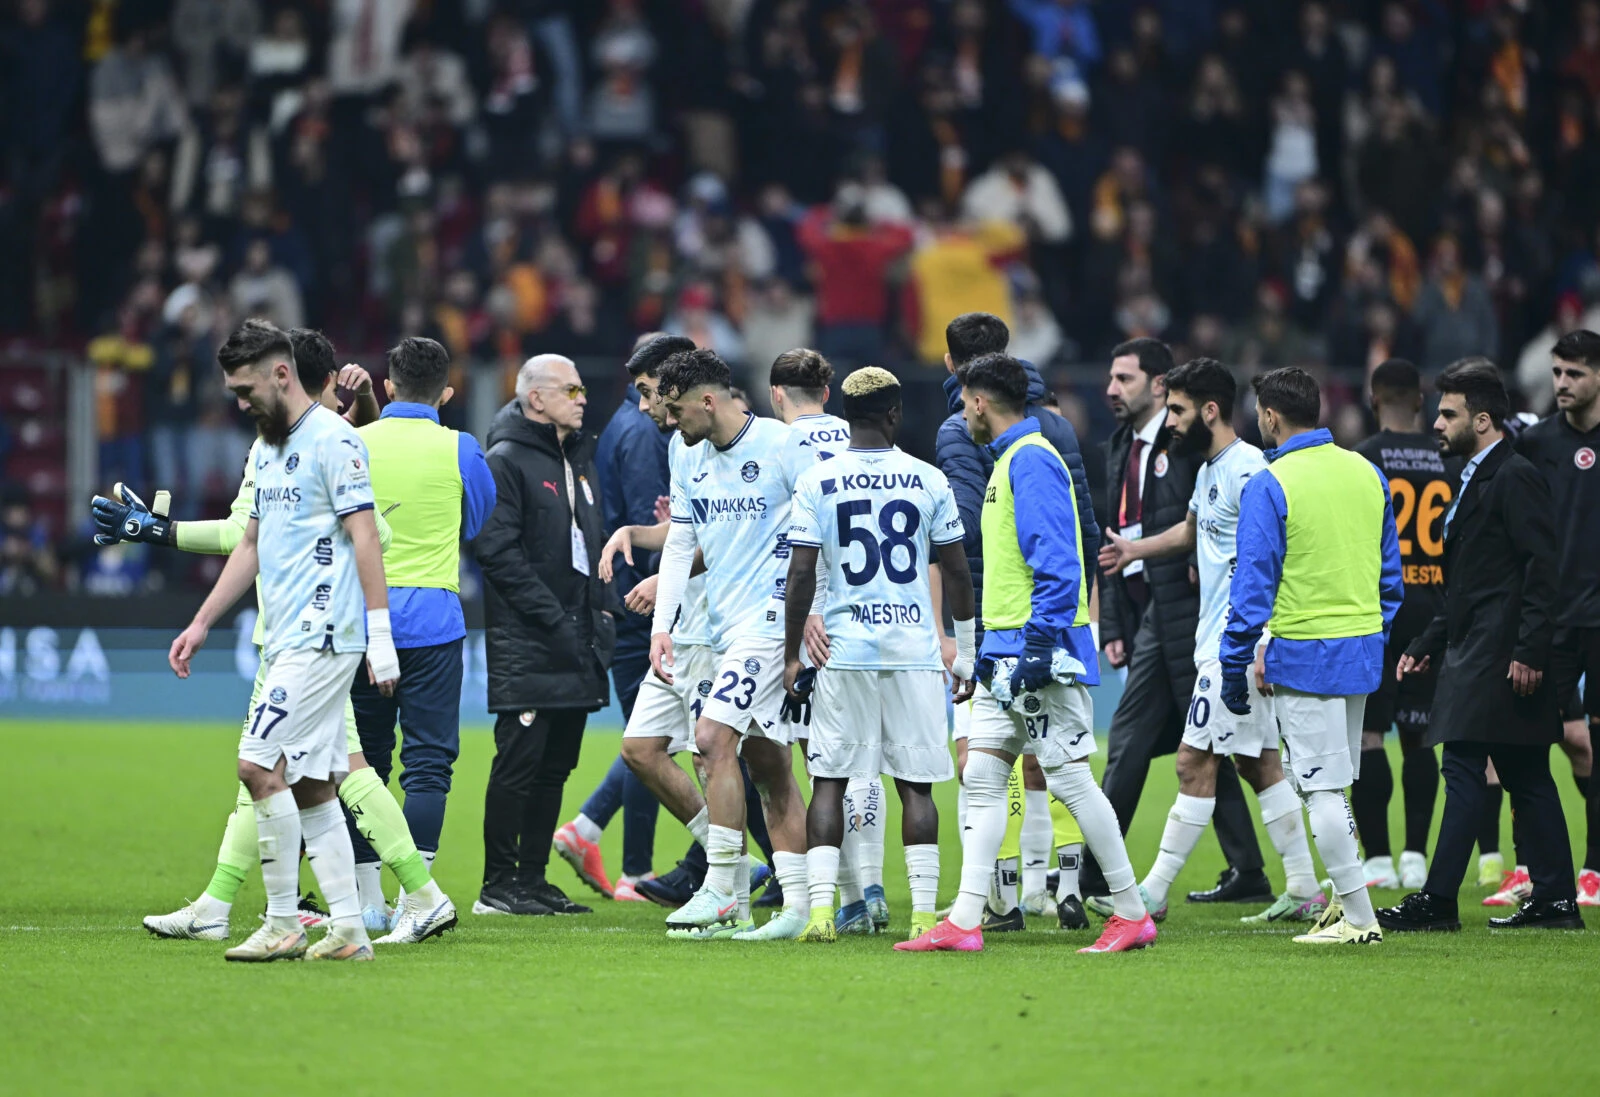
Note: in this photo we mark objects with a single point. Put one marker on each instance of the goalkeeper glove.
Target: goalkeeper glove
(1033, 671)
(797, 701)
(124, 517)
(1236, 691)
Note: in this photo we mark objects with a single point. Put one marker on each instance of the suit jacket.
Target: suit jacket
(1500, 605)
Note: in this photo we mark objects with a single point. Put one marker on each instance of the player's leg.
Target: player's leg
(423, 910)
(853, 916)
(715, 902)
(1419, 781)
(1068, 838)
(578, 840)
(278, 851)
(1035, 839)
(1186, 822)
(772, 769)
(825, 827)
(430, 738)
(1003, 913)
(1369, 805)
(542, 809)
(370, 728)
(1282, 816)
(911, 722)
(868, 841)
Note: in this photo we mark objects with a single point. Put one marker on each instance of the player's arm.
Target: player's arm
(1042, 490)
(628, 538)
(799, 592)
(955, 581)
(383, 665)
(1391, 576)
(1260, 544)
(1533, 535)
(678, 555)
(238, 574)
(1117, 552)
(363, 408)
(477, 485)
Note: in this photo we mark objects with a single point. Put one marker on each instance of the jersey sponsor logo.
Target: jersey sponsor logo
(989, 496)
(879, 481)
(749, 471)
(781, 546)
(1584, 458)
(1314, 771)
(1422, 575)
(292, 463)
(697, 479)
(752, 667)
(279, 497)
(1160, 465)
(278, 695)
(885, 613)
(738, 508)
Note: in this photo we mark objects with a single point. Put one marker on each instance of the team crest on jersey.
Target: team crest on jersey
(1211, 496)
(294, 462)
(1204, 683)
(750, 471)
(704, 687)
(1584, 458)
(752, 667)
(278, 695)
(1030, 704)
(1160, 465)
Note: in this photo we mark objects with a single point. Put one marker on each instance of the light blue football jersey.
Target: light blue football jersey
(828, 434)
(310, 591)
(1215, 505)
(694, 624)
(737, 497)
(873, 514)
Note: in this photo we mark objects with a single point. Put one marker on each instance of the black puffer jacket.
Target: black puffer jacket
(1175, 602)
(549, 638)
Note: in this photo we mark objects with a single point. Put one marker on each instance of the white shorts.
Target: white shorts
(961, 725)
(1055, 725)
(299, 715)
(1211, 727)
(352, 738)
(1321, 738)
(669, 712)
(747, 691)
(867, 723)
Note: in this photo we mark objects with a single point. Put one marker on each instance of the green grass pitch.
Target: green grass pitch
(103, 824)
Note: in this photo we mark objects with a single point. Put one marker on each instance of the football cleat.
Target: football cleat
(584, 857)
(1040, 902)
(1124, 935)
(1413, 869)
(921, 922)
(760, 874)
(376, 919)
(1341, 932)
(627, 891)
(185, 925)
(786, 925)
(1010, 922)
(672, 890)
(341, 945)
(1099, 905)
(855, 919)
(418, 922)
(1380, 872)
(1332, 912)
(1070, 915)
(311, 913)
(1491, 870)
(1156, 914)
(1516, 887)
(708, 907)
(269, 943)
(1588, 889)
(945, 936)
(1286, 908)
(508, 898)
(877, 905)
(819, 927)
(722, 931)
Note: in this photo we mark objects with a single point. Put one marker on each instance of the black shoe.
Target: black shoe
(1010, 922)
(1070, 913)
(1542, 914)
(671, 890)
(1234, 886)
(771, 895)
(553, 897)
(1421, 912)
(508, 898)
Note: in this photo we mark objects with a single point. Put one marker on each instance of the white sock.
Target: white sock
(208, 908)
(1068, 858)
(741, 886)
(333, 863)
(428, 857)
(961, 807)
(278, 840)
(369, 884)
(791, 872)
(1073, 784)
(981, 835)
(699, 825)
(850, 885)
(822, 875)
(1037, 834)
(869, 848)
(722, 858)
(427, 897)
(922, 868)
(586, 827)
(1005, 884)
(1280, 814)
(1186, 822)
(1334, 832)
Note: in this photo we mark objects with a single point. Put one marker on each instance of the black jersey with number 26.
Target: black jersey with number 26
(1422, 485)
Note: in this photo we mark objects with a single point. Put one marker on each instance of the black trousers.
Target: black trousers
(1541, 827)
(1148, 723)
(531, 765)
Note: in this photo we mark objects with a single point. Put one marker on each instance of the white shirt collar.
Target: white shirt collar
(1149, 431)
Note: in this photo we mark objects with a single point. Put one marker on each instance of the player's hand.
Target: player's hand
(1116, 553)
(1524, 679)
(1409, 665)
(816, 640)
(620, 541)
(947, 651)
(1261, 672)
(352, 378)
(661, 656)
(797, 694)
(1116, 654)
(642, 598)
(1033, 668)
(1236, 692)
(663, 511)
(124, 517)
(189, 641)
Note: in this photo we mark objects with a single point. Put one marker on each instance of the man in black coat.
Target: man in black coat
(1492, 640)
(1148, 616)
(550, 628)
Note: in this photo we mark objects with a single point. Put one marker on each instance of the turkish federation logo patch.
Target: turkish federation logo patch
(752, 667)
(1584, 458)
(278, 695)
(750, 471)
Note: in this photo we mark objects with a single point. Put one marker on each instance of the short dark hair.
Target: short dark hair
(690, 369)
(419, 368)
(1581, 346)
(1000, 377)
(803, 370)
(252, 341)
(1205, 381)
(1155, 357)
(654, 350)
(1479, 383)
(1292, 393)
(1397, 377)
(974, 334)
(314, 360)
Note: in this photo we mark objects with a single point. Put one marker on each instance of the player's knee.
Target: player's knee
(714, 741)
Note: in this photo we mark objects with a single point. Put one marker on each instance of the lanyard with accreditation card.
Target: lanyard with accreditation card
(580, 547)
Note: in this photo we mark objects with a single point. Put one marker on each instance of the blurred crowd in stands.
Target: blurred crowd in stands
(1271, 182)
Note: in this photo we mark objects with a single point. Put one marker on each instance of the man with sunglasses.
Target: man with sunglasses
(550, 627)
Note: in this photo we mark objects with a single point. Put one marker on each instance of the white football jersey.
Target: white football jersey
(310, 592)
(873, 514)
(1215, 505)
(737, 497)
(693, 626)
(828, 434)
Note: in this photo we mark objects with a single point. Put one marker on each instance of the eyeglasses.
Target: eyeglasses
(572, 391)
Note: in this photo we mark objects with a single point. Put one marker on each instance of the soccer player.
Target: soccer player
(312, 538)
(1421, 486)
(1199, 402)
(382, 826)
(1563, 448)
(731, 500)
(878, 703)
(1037, 660)
(1319, 561)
